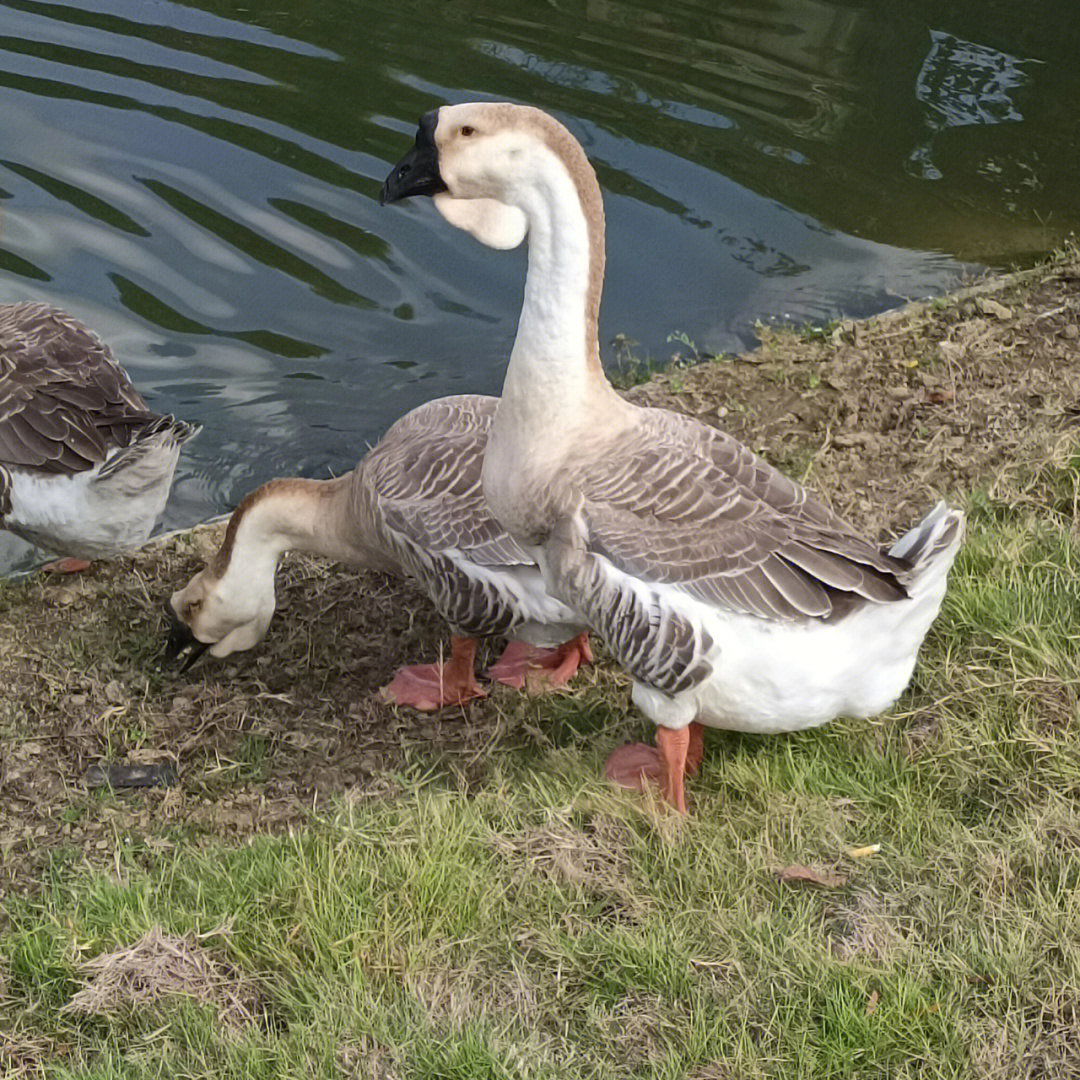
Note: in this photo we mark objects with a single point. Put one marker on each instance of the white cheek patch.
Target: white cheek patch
(492, 223)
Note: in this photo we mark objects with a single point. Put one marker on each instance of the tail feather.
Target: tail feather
(180, 430)
(930, 547)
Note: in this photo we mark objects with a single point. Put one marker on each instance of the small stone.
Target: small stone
(1072, 331)
(114, 692)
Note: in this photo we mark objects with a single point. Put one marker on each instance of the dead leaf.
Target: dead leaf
(871, 1002)
(992, 307)
(811, 876)
(938, 395)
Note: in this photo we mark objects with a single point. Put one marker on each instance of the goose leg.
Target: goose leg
(522, 665)
(677, 753)
(696, 750)
(673, 745)
(428, 687)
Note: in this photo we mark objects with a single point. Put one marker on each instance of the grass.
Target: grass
(540, 924)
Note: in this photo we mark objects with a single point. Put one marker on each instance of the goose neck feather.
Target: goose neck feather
(293, 514)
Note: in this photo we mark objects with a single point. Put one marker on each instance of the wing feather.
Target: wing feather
(64, 401)
(426, 477)
(688, 506)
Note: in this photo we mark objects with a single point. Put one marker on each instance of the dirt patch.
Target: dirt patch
(161, 966)
(880, 417)
(883, 417)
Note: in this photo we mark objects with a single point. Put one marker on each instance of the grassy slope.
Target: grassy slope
(546, 925)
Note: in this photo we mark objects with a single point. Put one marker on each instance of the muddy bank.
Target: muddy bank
(969, 393)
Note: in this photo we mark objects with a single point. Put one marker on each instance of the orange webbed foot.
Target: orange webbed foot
(678, 753)
(522, 665)
(66, 566)
(635, 766)
(428, 687)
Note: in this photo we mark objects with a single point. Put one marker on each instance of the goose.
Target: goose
(85, 466)
(733, 596)
(411, 507)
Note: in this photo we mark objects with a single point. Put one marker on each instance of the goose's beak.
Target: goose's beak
(417, 173)
(181, 639)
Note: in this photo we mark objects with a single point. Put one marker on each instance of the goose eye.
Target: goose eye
(466, 130)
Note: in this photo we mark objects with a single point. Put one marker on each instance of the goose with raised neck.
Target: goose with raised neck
(85, 465)
(733, 596)
(413, 507)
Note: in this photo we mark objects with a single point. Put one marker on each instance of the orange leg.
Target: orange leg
(673, 745)
(522, 665)
(676, 753)
(696, 750)
(428, 687)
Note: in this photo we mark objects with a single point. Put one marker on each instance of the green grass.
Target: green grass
(545, 925)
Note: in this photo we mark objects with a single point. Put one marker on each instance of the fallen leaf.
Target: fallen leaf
(811, 876)
(871, 1002)
(939, 396)
(992, 307)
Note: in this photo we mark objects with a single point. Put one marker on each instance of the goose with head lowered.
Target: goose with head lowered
(85, 466)
(733, 596)
(411, 507)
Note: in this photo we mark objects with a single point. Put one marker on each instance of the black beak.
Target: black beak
(417, 173)
(180, 640)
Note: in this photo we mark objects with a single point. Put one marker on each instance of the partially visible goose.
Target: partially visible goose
(85, 466)
(733, 596)
(411, 507)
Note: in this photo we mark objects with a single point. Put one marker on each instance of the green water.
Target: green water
(199, 182)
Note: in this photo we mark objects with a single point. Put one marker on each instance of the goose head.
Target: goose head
(483, 164)
(209, 613)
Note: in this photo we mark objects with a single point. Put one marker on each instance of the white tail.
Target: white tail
(930, 547)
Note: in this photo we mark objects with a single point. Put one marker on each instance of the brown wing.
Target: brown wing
(426, 474)
(685, 505)
(64, 402)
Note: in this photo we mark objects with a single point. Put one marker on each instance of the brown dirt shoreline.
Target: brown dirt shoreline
(971, 392)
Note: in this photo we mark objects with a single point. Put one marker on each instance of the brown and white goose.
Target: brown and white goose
(733, 596)
(85, 466)
(411, 507)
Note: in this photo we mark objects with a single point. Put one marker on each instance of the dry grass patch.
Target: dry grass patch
(159, 967)
(590, 859)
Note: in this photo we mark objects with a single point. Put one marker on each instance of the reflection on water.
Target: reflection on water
(198, 181)
(962, 83)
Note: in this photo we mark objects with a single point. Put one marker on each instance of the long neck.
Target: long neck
(556, 354)
(291, 515)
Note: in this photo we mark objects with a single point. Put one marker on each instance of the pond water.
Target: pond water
(199, 182)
